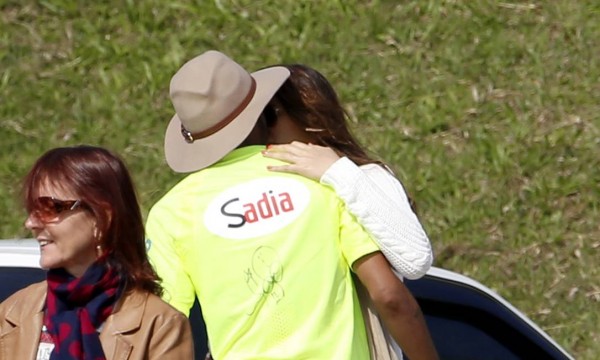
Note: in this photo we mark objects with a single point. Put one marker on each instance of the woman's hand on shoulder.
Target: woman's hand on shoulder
(308, 160)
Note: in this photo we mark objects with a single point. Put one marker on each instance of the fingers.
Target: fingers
(307, 160)
(279, 154)
(293, 147)
(297, 149)
(299, 145)
(307, 147)
(294, 169)
(285, 152)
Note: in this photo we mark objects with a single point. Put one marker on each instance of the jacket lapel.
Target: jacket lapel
(23, 337)
(126, 319)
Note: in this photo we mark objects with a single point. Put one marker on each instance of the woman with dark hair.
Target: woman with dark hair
(101, 296)
(309, 124)
(307, 114)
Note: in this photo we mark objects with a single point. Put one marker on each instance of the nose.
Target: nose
(32, 222)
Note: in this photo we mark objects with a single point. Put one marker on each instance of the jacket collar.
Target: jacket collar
(129, 311)
(126, 317)
(26, 317)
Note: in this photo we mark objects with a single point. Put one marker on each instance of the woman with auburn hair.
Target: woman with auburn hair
(101, 296)
(309, 126)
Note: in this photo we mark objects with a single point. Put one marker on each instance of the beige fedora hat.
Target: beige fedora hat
(217, 103)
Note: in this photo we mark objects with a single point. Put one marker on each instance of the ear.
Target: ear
(98, 233)
(109, 215)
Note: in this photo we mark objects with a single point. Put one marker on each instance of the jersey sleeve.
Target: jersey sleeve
(380, 204)
(355, 241)
(161, 244)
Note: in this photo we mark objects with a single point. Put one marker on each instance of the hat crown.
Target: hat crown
(206, 89)
(217, 104)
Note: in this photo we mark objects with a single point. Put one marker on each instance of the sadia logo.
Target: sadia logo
(256, 208)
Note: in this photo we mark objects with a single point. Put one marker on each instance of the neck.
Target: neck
(258, 135)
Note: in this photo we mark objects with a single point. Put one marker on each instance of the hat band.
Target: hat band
(191, 137)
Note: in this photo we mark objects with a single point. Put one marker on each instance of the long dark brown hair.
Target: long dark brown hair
(311, 101)
(102, 182)
(308, 97)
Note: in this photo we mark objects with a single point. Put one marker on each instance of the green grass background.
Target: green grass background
(487, 110)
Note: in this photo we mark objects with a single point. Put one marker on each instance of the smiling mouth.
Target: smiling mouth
(44, 243)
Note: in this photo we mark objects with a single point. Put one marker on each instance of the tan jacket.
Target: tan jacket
(142, 326)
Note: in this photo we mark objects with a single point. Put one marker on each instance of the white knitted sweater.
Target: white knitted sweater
(379, 202)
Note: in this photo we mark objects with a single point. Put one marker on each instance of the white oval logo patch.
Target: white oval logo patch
(256, 208)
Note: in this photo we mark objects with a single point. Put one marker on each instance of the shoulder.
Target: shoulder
(373, 168)
(345, 168)
(181, 189)
(154, 306)
(140, 311)
(382, 176)
(161, 306)
(164, 315)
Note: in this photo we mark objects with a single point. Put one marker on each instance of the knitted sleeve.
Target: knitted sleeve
(380, 204)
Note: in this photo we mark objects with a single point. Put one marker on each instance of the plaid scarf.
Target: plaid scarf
(76, 307)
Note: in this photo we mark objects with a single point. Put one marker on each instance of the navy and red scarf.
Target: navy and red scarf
(76, 307)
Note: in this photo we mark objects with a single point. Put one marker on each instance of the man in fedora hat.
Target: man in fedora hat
(269, 256)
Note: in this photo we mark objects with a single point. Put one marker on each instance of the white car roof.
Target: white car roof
(20, 252)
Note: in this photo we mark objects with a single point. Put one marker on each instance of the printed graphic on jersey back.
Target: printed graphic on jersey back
(256, 208)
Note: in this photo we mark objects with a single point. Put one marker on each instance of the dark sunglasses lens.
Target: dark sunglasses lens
(47, 208)
(43, 208)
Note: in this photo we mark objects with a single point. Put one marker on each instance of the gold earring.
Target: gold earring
(98, 250)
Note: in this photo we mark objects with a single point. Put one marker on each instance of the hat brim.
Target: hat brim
(184, 157)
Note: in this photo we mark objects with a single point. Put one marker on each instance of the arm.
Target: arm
(396, 306)
(160, 243)
(373, 195)
(380, 204)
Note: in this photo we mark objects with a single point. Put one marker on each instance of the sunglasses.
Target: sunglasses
(47, 208)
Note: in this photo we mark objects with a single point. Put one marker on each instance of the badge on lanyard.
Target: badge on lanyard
(46, 345)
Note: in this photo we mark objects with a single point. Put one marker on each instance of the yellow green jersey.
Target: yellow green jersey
(269, 257)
